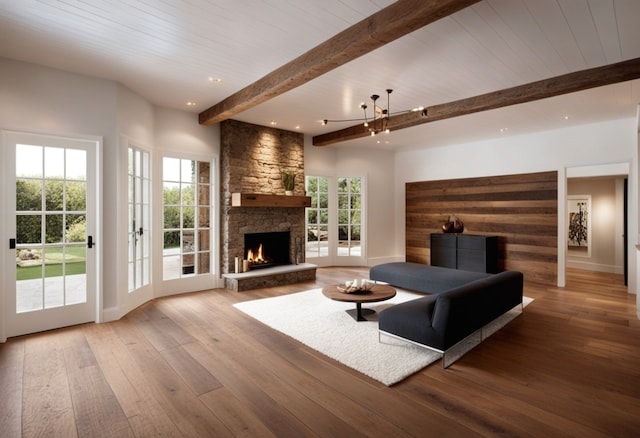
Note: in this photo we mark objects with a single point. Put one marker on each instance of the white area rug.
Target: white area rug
(323, 325)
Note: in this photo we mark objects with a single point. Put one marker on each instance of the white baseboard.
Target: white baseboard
(380, 260)
(111, 314)
(598, 267)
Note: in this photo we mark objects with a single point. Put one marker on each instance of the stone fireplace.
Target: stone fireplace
(252, 159)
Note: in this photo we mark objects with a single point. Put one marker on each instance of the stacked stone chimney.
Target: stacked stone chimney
(251, 161)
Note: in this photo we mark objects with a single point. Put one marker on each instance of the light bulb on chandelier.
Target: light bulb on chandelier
(380, 121)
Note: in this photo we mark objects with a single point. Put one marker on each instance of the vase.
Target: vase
(453, 225)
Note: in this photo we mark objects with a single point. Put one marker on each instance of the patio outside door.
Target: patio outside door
(51, 210)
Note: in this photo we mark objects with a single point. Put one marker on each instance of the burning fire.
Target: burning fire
(258, 257)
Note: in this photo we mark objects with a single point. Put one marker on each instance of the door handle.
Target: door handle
(90, 242)
(12, 243)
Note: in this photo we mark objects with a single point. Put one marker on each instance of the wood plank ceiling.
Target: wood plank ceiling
(559, 85)
(173, 53)
(381, 28)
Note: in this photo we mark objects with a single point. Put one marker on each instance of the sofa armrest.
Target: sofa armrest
(463, 310)
(410, 320)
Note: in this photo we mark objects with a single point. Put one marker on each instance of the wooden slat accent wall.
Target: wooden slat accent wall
(522, 210)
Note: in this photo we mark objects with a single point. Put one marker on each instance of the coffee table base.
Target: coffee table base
(359, 313)
(377, 293)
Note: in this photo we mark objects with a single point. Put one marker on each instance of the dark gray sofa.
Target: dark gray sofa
(459, 303)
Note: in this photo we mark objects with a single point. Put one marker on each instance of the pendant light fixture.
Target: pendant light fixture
(380, 121)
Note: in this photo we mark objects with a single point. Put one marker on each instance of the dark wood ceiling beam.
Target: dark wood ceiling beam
(564, 84)
(389, 24)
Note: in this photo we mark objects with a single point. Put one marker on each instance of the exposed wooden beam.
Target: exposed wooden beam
(564, 84)
(389, 24)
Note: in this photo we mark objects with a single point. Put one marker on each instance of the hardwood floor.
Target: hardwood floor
(192, 365)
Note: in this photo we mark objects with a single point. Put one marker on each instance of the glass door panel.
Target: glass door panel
(317, 217)
(187, 218)
(138, 213)
(334, 221)
(349, 214)
(53, 269)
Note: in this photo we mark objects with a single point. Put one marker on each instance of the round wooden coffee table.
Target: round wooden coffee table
(378, 292)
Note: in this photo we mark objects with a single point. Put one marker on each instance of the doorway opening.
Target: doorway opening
(596, 220)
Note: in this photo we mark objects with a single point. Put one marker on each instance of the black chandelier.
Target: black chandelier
(380, 120)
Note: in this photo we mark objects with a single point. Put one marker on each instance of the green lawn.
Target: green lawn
(75, 264)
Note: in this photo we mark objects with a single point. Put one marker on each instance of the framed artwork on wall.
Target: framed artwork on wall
(579, 225)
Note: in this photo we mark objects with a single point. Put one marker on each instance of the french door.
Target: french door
(51, 212)
(139, 219)
(335, 221)
(186, 195)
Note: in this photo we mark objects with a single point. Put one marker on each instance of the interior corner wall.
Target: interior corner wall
(178, 133)
(134, 124)
(44, 100)
(635, 206)
(376, 167)
(176, 130)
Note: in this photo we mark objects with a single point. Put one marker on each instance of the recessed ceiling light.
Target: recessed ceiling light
(504, 129)
(190, 103)
(273, 123)
(214, 80)
(297, 126)
(566, 117)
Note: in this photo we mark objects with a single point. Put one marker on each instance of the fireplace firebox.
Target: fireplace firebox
(264, 250)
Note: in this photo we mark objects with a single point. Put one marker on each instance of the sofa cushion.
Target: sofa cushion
(422, 278)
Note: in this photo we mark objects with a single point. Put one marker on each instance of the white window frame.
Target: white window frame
(333, 259)
(193, 282)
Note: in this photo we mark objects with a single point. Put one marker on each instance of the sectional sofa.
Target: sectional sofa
(456, 305)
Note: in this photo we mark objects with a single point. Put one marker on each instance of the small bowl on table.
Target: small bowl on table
(356, 287)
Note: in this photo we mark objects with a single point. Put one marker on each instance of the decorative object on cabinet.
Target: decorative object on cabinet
(453, 225)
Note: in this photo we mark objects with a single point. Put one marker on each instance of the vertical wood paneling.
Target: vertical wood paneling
(522, 210)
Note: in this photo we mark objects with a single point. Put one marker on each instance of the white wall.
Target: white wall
(49, 101)
(587, 145)
(135, 127)
(377, 167)
(42, 100)
(178, 131)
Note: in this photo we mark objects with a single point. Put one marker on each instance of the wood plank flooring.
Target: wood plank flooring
(192, 365)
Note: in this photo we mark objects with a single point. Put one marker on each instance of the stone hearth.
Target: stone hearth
(252, 159)
(269, 277)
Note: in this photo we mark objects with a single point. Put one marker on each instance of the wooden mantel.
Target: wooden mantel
(262, 200)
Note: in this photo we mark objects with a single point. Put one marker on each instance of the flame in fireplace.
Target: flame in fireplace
(258, 258)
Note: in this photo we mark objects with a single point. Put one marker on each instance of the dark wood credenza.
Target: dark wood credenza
(467, 252)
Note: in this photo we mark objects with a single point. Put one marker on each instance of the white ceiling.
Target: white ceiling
(167, 51)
